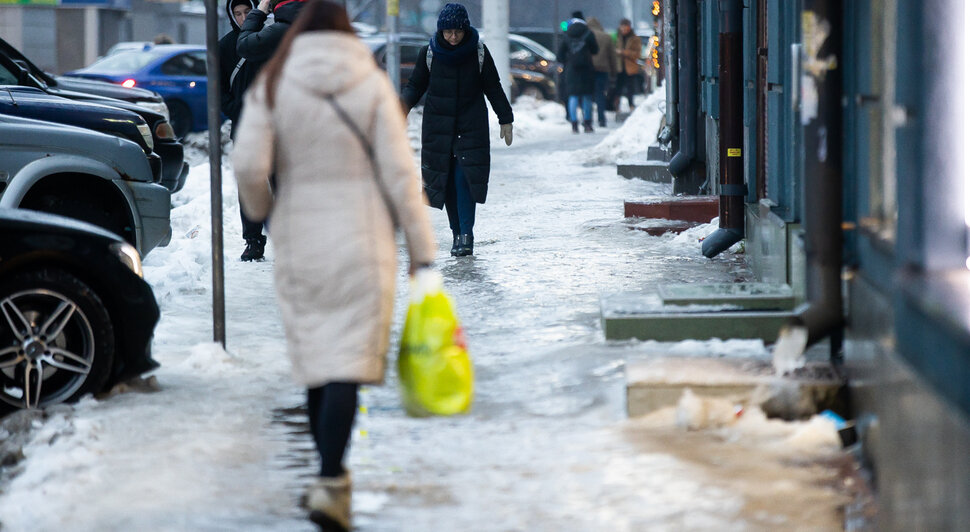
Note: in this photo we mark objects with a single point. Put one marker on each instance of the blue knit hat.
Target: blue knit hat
(453, 17)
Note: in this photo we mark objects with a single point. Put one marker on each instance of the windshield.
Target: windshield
(544, 52)
(123, 62)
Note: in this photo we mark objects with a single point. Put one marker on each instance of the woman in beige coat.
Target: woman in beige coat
(317, 109)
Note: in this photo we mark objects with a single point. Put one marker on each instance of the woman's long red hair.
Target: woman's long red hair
(317, 15)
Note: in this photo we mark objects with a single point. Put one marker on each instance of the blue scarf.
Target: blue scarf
(455, 55)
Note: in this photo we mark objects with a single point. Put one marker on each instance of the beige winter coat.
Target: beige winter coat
(335, 251)
(605, 59)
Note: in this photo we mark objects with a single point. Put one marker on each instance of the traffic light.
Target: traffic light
(656, 8)
(564, 25)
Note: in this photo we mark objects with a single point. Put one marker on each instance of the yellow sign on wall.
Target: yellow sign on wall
(393, 7)
(734, 152)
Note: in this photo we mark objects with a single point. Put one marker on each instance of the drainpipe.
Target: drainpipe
(687, 85)
(821, 66)
(670, 70)
(731, 132)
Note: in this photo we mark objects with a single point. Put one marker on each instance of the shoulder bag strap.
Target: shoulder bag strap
(368, 149)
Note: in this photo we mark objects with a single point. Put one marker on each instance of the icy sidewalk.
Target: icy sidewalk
(547, 445)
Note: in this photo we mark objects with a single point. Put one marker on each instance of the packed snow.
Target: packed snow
(222, 444)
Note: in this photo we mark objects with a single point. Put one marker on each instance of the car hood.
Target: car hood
(150, 116)
(25, 218)
(103, 88)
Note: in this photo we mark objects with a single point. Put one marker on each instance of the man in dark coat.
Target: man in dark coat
(256, 40)
(576, 54)
(458, 73)
(236, 74)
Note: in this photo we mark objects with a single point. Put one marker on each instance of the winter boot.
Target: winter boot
(328, 501)
(575, 127)
(603, 123)
(466, 243)
(455, 247)
(587, 126)
(254, 249)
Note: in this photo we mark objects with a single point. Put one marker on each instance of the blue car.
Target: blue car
(175, 71)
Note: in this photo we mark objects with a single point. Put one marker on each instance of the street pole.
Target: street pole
(496, 22)
(393, 53)
(212, 14)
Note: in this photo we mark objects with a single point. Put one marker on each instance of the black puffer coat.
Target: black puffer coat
(236, 73)
(576, 54)
(455, 115)
(257, 41)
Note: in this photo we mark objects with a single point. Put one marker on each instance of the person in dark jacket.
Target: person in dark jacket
(576, 54)
(257, 41)
(236, 74)
(458, 73)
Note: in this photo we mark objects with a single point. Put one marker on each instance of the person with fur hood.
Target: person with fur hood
(236, 74)
(576, 54)
(325, 118)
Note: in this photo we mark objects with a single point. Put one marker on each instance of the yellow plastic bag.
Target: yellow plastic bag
(436, 372)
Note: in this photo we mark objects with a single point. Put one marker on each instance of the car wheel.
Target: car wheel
(56, 340)
(180, 117)
(83, 207)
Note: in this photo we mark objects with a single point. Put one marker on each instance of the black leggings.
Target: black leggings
(332, 409)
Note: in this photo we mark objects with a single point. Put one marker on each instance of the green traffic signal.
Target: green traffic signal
(563, 25)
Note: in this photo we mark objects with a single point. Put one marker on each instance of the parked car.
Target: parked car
(175, 71)
(144, 98)
(411, 44)
(535, 71)
(76, 318)
(533, 67)
(174, 168)
(98, 178)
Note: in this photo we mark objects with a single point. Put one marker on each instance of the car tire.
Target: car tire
(52, 326)
(85, 208)
(180, 117)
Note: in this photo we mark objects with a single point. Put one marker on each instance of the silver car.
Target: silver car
(82, 174)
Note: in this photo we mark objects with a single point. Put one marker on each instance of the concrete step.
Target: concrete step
(654, 171)
(700, 209)
(657, 227)
(751, 296)
(659, 383)
(646, 317)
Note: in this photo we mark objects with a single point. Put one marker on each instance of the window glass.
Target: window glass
(125, 62)
(7, 77)
(187, 64)
(517, 52)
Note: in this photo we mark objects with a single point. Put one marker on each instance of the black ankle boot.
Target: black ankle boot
(588, 126)
(575, 127)
(465, 245)
(455, 247)
(254, 249)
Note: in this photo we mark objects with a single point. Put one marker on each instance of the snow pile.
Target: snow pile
(632, 138)
(748, 425)
(534, 120)
(208, 358)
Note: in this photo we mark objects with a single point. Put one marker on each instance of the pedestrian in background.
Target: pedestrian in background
(576, 54)
(236, 74)
(604, 64)
(629, 49)
(458, 73)
(257, 41)
(327, 119)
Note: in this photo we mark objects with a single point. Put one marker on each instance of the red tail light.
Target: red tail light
(128, 83)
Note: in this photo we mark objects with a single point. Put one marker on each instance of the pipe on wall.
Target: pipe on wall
(821, 65)
(730, 131)
(687, 86)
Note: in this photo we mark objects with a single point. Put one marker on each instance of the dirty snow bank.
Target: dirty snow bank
(632, 138)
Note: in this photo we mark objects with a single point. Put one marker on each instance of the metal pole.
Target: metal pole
(215, 171)
(496, 22)
(393, 53)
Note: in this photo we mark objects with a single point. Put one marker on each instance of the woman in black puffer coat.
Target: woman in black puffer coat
(455, 156)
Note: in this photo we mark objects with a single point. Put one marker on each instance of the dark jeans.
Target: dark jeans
(602, 81)
(331, 409)
(458, 201)
(625, 86)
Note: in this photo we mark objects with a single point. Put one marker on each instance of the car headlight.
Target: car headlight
(146, 133)
(163, 130)
(158, 107)
(128, 256)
